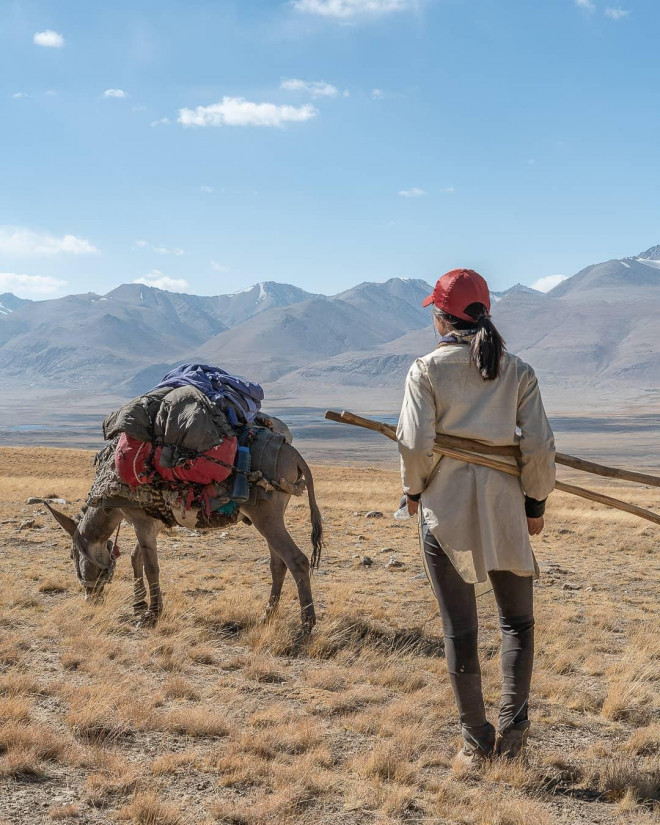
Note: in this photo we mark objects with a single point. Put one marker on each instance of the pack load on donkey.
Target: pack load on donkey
(183, 449)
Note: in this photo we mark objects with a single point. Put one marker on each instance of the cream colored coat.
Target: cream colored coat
(476, 514)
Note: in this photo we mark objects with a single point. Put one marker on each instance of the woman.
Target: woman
(476, 520)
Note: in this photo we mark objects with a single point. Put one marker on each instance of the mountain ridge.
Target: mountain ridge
(597, 325)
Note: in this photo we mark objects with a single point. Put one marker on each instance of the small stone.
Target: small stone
(365, 561)
(394, 563)
(419, 577)
(28, 524)
(387, 550)
(34, 500)
(374, 514)
(564, 531)
(568, 586)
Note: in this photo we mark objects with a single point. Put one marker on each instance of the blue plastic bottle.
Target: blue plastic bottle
(240, 491)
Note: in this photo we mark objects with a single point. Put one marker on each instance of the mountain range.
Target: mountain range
(596, 328)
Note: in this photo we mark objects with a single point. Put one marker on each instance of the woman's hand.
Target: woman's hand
(413, 506)
(535, 525)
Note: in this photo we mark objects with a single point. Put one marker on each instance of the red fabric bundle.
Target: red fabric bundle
(136, 461)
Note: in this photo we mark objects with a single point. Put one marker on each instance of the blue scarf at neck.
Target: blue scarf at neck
(458, 336)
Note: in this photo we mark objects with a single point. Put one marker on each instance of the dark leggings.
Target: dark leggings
(458, 607)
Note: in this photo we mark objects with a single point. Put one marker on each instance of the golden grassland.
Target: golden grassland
(213, 717)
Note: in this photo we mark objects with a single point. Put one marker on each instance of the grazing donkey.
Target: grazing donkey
(93, 550)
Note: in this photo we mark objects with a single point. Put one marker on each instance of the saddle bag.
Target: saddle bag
(139, 462)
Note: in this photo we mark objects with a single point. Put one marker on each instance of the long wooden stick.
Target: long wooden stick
(389, 432)
(604, 470)
(470, 445)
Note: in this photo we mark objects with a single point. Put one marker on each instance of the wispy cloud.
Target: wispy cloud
(348, 9)
(219, 267)
(120, 93)
(377, 94)
(587, 5)
(616, 13)
(20, 95)
(16, 241)
(236, 111)
(316, 88)
(48, 38)
(27, 285)
(162, 121)
(206, 189)
(414, 192)
(548, 282)
(161, 250)
(157, 279)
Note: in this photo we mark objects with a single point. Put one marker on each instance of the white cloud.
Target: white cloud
(161, 250)
(415, 192)
(49, 38)
(206, 189)
(236, 111)
(219, 267)
(160, 281)
(616, 14)
(348, 9)
(316, 88)
(163, 121)
(19, 95)
(120, 93)
(587, 5)
(377, 94)
(18, 242)
(27, 285)
(547, 283)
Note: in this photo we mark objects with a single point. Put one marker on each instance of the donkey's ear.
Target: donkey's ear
(64, 521)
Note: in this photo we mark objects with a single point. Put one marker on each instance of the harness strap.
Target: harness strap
(114, 554)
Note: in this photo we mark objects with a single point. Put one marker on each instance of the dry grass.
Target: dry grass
(213, 717)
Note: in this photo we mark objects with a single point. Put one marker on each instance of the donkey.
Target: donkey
(94, 553)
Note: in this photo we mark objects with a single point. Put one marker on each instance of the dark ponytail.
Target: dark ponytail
(487, 345)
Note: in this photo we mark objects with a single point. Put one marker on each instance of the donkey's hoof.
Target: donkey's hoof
(148, 619)
(139, 608)
(306, 629)
(268, 614)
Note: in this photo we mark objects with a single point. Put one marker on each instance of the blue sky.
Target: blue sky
(209, 145)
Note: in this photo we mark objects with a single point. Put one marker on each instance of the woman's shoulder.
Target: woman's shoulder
(517, 363)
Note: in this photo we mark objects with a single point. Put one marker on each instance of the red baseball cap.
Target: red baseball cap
(456, 290)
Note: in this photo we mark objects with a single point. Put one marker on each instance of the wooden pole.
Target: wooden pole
(470, 445)
(461, 455)
(604, 470)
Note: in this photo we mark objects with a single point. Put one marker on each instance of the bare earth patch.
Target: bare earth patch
(213, 717)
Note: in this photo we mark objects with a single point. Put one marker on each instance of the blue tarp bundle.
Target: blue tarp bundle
(240, 400)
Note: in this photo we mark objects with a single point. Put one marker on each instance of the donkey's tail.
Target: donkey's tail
(315, 513)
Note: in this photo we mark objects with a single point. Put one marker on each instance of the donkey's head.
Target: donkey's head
(93, 552)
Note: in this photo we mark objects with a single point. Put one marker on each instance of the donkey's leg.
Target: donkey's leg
(139, 590)
(146, 529)
(277, 572)
(269, 521)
